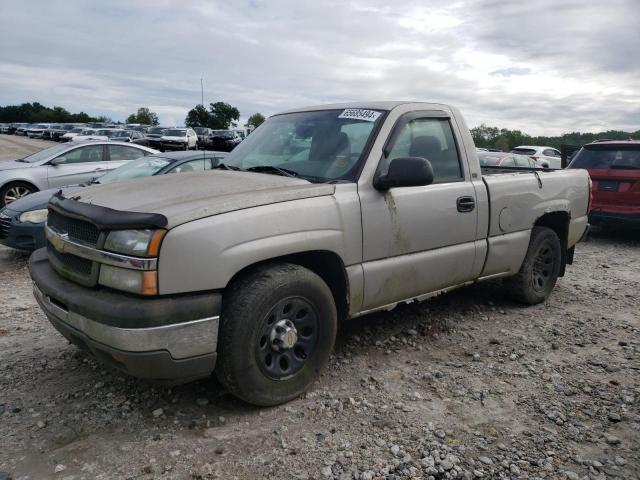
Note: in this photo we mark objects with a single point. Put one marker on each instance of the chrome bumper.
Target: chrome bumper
(180, 340)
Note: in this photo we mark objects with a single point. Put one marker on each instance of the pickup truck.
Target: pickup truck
(321, 214)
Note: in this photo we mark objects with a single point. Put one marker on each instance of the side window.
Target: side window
(430, 138)
(508, 162)
(90, 153)
(549, 153)
(522, 161)
(193, 166)
(120, 152)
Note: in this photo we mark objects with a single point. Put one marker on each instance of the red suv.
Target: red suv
(614, 167)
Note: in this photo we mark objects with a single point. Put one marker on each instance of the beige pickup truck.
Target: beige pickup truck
(321, 214)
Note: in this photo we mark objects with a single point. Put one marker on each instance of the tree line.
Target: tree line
(221, 116)
(506, 140)
(38, 113)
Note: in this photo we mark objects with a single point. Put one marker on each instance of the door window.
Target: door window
(522, 161)
(89, 153)
(121, 152)
(193, 166)
(430, 138)
(549, 152)
(508, 162)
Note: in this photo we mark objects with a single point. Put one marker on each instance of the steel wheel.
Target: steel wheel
(289, 333)
(543, 264)
(15, 192)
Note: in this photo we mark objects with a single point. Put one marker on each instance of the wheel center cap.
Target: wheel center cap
(283, 335)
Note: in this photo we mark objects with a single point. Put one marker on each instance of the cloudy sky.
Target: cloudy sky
(542, 66)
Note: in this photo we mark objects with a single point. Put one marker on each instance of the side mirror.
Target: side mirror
(406, 172)
(58, 161)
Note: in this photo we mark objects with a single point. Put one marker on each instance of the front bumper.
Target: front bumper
(173, 145)
(165, 339)
(21, 235)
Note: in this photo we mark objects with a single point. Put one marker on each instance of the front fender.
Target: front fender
(205, 254)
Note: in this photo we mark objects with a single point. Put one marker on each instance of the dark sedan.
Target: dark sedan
(223, 140)
(22, 223)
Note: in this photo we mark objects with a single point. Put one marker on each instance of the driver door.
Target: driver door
(417, 240)
(80, 165)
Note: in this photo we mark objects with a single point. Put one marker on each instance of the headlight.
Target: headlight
(35, 216)
(135, 281)
(145, 243)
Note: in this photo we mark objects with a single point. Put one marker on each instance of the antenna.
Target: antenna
(201, 92)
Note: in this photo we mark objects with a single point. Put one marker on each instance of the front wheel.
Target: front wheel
(540, 269)
(277, 331)
(14, 191)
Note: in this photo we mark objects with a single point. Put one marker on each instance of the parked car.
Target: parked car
(223, 140)
(74, 132)
(62, 165)
(36, 130)
(57, 133)
(546, 156)
(614, 168)
(95, 134)
(4, 127)
(47, 134)
(22, 222)
(132, 136)
(203, 136)
(21, 129)
(179, 139)
(502, 159)
(248, 268)
(153, 136)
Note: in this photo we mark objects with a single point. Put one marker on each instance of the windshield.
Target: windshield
(142, 167)
(175, 133)
(46, 153)
(120, 133)
(200, 130)
(608, 156)
(156, 130)
(322, 146)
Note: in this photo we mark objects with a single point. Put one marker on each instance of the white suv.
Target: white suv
(179, 139)
(548, 157)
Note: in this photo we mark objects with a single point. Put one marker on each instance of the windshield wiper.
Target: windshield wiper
(223, 166)
(21, 160)
(275, 170)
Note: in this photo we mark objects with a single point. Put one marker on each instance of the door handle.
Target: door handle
(465, 204)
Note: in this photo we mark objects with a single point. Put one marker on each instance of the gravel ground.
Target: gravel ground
(467, 385)
(14, 146)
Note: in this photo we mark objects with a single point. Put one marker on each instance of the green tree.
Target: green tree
(144, 116)
(255, 120)
(198, 116)
(222, 116)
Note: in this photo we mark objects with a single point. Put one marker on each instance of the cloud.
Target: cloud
(542, 67)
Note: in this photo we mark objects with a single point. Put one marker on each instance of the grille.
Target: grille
(77, 229)
(78, 265)
(5, 226)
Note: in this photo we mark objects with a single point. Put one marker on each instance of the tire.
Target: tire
(539, 271)
(251, 347)
(13, 191)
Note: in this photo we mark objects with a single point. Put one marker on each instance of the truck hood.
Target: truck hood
(185, 197)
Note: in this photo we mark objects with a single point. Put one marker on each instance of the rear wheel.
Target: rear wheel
(14, 191)
(277, 331)
(539, 271)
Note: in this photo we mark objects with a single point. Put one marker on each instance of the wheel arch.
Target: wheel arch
(326, 264)
(559, 223)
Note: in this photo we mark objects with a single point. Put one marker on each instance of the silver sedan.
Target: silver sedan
(61, 165)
